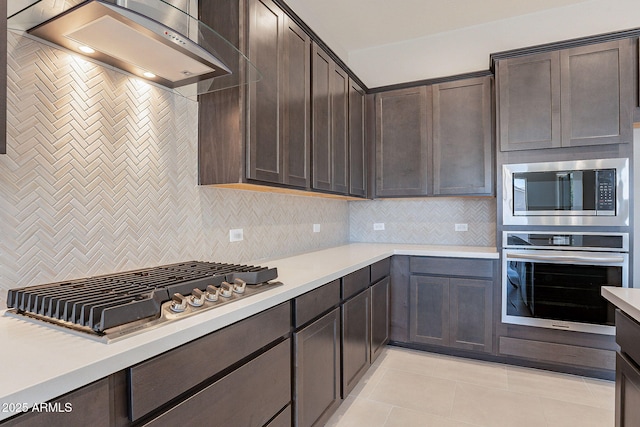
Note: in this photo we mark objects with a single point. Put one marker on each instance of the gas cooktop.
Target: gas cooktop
(116, 305)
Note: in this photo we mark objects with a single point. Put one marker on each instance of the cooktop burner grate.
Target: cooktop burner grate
(97, 304)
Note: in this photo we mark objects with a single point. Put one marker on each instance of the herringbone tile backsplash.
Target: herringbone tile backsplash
(101, 176)
(425, 221)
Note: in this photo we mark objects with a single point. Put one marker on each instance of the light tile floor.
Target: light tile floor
(406, 388)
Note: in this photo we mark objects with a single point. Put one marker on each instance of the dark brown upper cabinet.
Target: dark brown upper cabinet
(463, 137)
(330, 124)
(568, 98)
(435, 140)
(268, 142)
(403, 136)
(358, 176)
(278, 125)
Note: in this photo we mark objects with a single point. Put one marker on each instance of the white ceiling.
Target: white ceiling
(362, 24)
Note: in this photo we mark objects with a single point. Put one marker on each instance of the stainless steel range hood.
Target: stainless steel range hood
(138, 36)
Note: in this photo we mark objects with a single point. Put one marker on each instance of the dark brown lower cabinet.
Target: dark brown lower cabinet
(452, 312)
(627, 392)
(379, 316)
(317, 371)
(356, 341)
(236, 398)
(627, 371)
(88, 406)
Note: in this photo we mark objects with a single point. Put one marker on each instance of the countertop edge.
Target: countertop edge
(626, 299)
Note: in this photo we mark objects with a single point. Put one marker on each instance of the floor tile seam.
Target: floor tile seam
(541, 394)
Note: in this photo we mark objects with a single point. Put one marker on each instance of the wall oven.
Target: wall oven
(553, 279)
(581, 193)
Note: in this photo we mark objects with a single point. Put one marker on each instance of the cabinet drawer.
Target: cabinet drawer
(627, 333)
(355, 282)
(468, 267)
(380, 270)
(239, 399)
(158, 380)
(312, 304)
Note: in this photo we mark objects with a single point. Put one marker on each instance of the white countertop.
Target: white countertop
(626, 299)
(41, 363)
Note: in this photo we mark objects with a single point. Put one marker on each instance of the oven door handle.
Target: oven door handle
(594, 259)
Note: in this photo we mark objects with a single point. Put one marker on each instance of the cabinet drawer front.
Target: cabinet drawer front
(468, 267)
(355, 282)
(158, 380)
(380, 270)
(312, 304)
(627, 333)
(236, 399)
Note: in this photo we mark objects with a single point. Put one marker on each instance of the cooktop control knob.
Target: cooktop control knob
(239, 286)
(197, 298)
(178, 303)
(226, 290)
(211, 294)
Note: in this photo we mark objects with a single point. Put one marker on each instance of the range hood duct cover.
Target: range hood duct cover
(128, 40)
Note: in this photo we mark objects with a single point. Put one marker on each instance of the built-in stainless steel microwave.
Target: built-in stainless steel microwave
(581, 192)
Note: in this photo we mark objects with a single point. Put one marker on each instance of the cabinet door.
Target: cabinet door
(379, 316)
(402, 142)
(597, 94)
(429, 310)
(296, 108)
(317, 371)
(266, 39)
(357, 145)
(322, 69)
(529, 102)
(340, 130)
(627, 392)
(471, 314)
(356, 340)
(462, 137)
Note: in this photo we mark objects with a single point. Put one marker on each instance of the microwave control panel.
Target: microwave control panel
(606, 197)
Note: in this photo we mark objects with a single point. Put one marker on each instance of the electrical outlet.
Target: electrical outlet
(316, 228)
(378, 226)
(462, 227)
(236, 235)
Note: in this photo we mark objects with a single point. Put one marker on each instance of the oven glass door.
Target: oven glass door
(561, 289)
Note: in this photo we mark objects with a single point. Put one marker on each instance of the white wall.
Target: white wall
(468, 50)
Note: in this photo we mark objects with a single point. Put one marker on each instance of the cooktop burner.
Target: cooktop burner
(115, 305)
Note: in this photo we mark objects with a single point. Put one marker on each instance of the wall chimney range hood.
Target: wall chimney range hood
(157, 40)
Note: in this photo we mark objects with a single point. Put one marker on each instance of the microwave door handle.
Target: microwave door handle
(601, 259)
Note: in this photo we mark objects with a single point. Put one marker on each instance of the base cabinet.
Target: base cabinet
(317, 370)
(446, 302)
